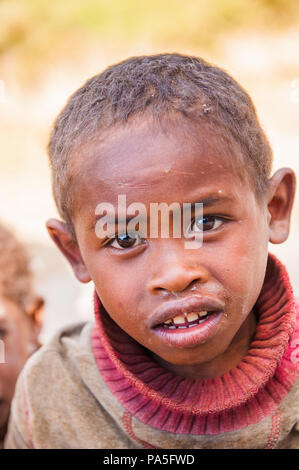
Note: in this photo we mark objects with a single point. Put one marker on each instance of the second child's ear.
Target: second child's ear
(35, 312)
(63, 238)
(280, 202)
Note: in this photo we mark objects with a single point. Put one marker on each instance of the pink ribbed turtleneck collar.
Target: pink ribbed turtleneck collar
(243, 396)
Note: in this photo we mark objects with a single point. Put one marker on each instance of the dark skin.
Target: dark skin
(185, 163)
(19, 331)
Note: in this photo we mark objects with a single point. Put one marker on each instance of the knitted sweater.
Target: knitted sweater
(94, 387)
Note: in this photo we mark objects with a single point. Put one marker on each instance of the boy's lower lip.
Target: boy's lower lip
(190, 337)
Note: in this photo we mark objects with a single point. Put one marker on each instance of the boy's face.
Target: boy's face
(144, 283)
(18, 335)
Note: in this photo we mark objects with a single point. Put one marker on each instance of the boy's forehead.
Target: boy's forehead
(143, 158)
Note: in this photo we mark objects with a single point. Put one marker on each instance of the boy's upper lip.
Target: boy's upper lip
(176, 307)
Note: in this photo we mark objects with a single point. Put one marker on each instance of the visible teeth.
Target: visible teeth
(192, 316)
(178, 320)
(203, 313)
(186, 319)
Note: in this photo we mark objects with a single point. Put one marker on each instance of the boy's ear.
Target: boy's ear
(280, 202)
(62, 237)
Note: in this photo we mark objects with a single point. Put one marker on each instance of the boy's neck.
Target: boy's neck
(218, 366)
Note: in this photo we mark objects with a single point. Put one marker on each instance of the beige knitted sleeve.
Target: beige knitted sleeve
(293, 441)
(294, 437)
(18, 435)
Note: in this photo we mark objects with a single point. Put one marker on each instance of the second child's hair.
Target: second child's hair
(16, 279)
(159, 84)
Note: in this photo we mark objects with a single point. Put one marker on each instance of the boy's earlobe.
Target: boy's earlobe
(62, 237)
(280, 202)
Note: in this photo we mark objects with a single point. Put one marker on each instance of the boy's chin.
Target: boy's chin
(186, 359)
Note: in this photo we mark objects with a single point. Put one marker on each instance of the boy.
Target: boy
(20, 318)
(191, 348)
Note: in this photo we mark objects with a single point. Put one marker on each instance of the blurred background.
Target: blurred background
(49, 49)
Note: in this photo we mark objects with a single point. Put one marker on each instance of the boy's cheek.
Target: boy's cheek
(244, 274)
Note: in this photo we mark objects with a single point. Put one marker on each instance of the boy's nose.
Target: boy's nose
(176, 270)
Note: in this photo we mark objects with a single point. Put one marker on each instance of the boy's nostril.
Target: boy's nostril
(173, 285)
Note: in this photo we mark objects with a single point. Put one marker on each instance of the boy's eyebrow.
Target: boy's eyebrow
(210, 201)
(121, 220)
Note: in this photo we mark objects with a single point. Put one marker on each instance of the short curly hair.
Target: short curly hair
(159, 84)
(16, 278)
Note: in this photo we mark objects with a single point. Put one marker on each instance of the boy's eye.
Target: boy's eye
(199, 224)
(126, 241)
(206, 223)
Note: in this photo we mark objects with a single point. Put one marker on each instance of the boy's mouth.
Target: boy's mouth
(187, 322)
